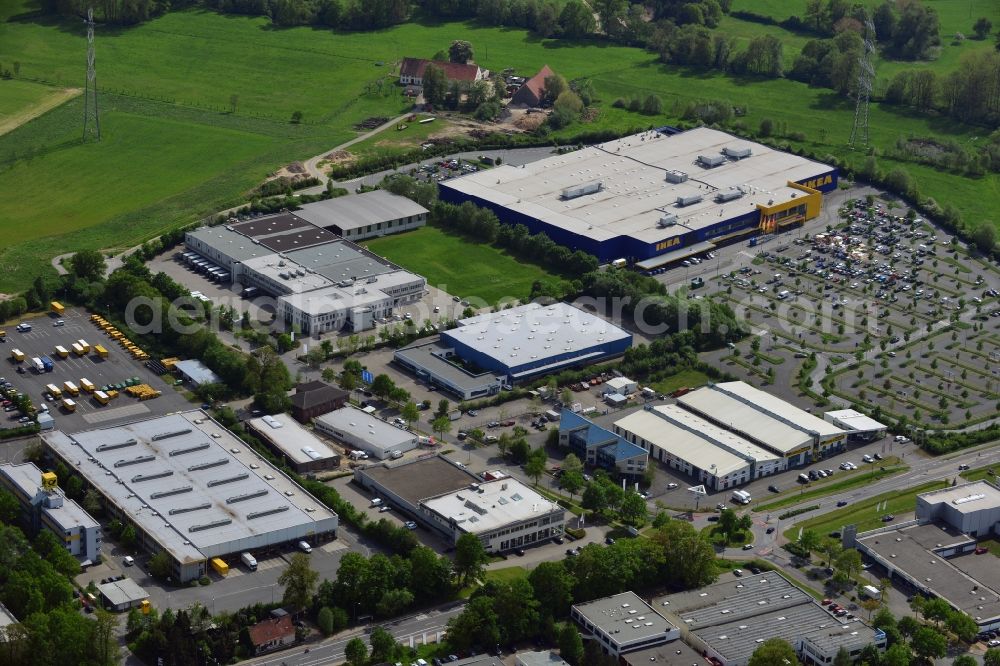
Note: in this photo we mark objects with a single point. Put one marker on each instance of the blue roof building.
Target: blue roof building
(602, 448)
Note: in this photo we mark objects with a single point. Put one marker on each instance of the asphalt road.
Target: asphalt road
(415, 629)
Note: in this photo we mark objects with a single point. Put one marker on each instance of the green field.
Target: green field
(863, 513)
(683, 379)
(980, 473)
(457, 266)
(847, 481)
(174, 152)
(18, 97)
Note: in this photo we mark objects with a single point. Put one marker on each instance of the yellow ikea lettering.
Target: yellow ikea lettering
(667, 243)
(819, 182)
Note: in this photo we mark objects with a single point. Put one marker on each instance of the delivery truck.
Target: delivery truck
(71, 388)
(87, 385)
(101, 397)
(54, 391)
(220, 566)
(871, 591)
(742, 496)
(17, 355)
(62, 351)
(249, 561)
(69, 405)
(77, 349)
(83, 343)
(47, 364)
(58, 308)
(100, 351)
(37, 364)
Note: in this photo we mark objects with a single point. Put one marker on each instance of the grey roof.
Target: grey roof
(540, 658)
(235, 246)
(427, 355)
(492, 505)
(270, 225)
(624, 617)
(192, 485)
(421, 478)
(196, 371)
(300, 238)
(359, 210)
(375, 432)
(341, 261)
(528, 332)
(966, 498)
(634, 192)
(28, 478)
(6, 617)
(285, 433)
(121, 592)
(854, 420)
(675, 653)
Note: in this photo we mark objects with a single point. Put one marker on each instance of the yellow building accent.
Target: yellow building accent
(49, 481)
(792, 211)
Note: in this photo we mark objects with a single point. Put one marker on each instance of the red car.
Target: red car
(827, 602)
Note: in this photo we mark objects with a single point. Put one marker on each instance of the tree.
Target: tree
(610, 13)
(553, 588)
(382, 385)
(936, 610)
(410, 413)
(843, 658)
(383, 644)
(441, 425)
(576, 20)
(88, 265)
(985, 237)
(356, 652)
(324, 619)
(535, 467)
(809, 540)
(965, 660)
(633, 509)
(314, 357)
(299, 581)
(555, 85)
(774, 652)
(962, 625)
(982, 27)
(849, 561)
(565, 109)
(160, 565)
(394, 602)
(992, 657)
(571, 482)
(470, 558)
(570, 644)
(898, 654)
(10, 508)
(460, 51)
(435, 85)
(927, 643)
(595, 498)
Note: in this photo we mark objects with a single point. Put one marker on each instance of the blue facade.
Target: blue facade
(825, 182)
(542, 363)
(599, 447)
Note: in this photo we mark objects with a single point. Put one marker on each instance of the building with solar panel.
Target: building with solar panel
(191, 488)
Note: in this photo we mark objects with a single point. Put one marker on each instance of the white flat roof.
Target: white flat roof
(359, 210)
(296, 442)
(274, 265)
(493, 505)
(966, 498)
(192, 485)
(28, 478)
(779, 408)
(624, 618)
(363, 293)
(746, 419)
(855, 420)
(699, 448)
(123, 591)
(365, 427)
(528, 332)
(635, 194)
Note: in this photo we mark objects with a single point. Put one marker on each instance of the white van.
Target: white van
(783, 294)
(377, 501)
(358, 455)
(249, 560)
(742, 496)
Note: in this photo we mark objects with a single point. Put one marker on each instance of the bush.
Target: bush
(204, 580)
(795, 512)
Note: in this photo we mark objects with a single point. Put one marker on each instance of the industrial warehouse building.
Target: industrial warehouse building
(599, 447)
(716, 457)
(504, 513)
(859, 427)
(368, 215)
(44, 505)
(364, 432)
(655, 197)
(192, 489)
(515, 345)
(936, 554)
(728, 620)
(623, 623)
(321, 281)
(766, 420)
(301, 450)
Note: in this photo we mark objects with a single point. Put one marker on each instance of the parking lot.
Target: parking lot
(118, 367)
(883, 290)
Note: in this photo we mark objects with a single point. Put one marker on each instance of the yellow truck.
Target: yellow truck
(62, 351)
(87, 385)
(77, 349)
(220, 566)
(17, 355)
(101, 397)
(83, 343)
(100, 351)
(58, 308)
(54, 391)
(69, 405)
(71, 388)
(112, 394)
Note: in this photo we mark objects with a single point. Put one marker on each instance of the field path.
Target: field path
(312, 164)
(57, 97)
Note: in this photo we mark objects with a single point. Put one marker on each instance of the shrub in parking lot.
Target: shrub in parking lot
(796, 512)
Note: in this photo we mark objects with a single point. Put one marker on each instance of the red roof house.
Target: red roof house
(272, 634)
(411, 72)
(533, 91)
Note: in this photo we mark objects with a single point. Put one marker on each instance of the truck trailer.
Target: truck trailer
(101, 351)
(47, 364)
(87, 385)
(220, 566)
(71, 388)
(62, 351)
(17, 355)
(54, 391)
(101, 397)
(69, 404)
(37, 364)
(249, 561)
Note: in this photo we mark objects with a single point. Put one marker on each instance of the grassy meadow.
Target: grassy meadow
(176, 147)
(458, 266)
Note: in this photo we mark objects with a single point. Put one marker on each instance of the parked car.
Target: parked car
(304, 546)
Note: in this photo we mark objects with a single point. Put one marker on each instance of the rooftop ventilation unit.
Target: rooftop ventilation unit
(207, 526)
(119, 445)
(267, 512)
(711, 161)
(667, 220)
(728, 195)
(173, 491)
(688, 200)
(149, 477)
(189, 449)
(219, 482)
(581, 190)
(167, 435)
(134, 461)
(208, 465)
(676, 176)
(737, 153)
(188, 509)
(246, 496)
(273, 422)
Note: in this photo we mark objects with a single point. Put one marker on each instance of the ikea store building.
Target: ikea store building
(656, 197)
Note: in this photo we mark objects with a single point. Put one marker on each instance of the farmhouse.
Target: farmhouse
(653, 198)
(411, 72)
(532, 93)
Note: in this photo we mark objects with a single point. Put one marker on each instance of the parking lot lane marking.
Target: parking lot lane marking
(333, 547)
(116, 413)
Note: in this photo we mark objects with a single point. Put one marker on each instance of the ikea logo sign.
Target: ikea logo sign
(671, 242)
(817, 183)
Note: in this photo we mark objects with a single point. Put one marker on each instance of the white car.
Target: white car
(867, 458)
(671, 486)
(902, 440)
(128, 560)
(305, 547)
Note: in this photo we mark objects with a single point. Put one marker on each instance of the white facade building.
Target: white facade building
(353, 427)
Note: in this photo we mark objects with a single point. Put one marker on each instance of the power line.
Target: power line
(91, 116)
(866, 77)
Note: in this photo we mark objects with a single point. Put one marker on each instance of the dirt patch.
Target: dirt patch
(30, 113)
(293, 171)
(371, 123)
(529, 123)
